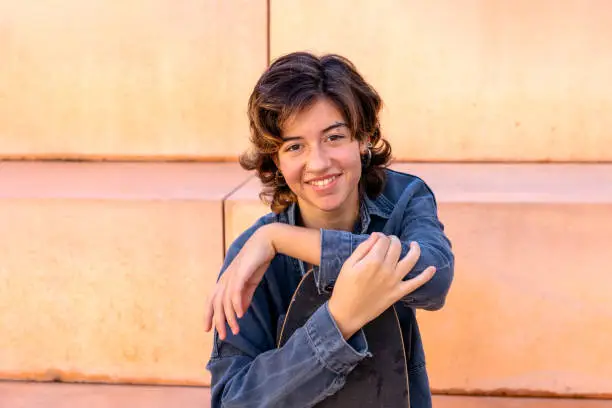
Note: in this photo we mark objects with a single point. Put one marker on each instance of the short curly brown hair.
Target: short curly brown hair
(292, 83)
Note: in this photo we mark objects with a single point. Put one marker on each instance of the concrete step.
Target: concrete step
(105, 267)
(529, 310)
(55, 395)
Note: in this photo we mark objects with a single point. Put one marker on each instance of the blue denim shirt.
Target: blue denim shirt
(249, 371)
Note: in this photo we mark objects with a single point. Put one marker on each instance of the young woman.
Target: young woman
(371, 235)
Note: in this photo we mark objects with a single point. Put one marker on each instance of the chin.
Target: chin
(328, 204)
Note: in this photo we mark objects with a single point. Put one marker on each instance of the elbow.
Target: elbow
(432, 295)
(440, 285)
(436, 303)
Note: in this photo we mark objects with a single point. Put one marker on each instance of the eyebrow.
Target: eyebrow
(327, 129)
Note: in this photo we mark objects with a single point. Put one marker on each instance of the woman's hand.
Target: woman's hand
(371, 280)
(236, 287)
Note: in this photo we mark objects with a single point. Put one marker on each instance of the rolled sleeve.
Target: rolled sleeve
(422, 225)
(329, 345)
(336, 247)
(415, 218)
(432, 295)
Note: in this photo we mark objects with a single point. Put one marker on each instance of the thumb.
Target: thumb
(408, 286)
(363, 249)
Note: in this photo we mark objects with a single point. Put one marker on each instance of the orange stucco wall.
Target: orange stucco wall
(104, 267)
(136, 78)
(462, 80)
(473, 79)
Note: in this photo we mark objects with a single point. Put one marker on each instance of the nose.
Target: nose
(318, 160)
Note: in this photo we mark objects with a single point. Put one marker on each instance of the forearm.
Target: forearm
(297, 242)
(435, 251)
(271, 379)
(311, 365)
(329, 250)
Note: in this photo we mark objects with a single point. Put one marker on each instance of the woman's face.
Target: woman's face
(320, 161)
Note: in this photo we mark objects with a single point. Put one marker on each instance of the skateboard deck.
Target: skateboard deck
(377, 381)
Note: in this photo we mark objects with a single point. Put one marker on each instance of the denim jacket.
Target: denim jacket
(248, 370)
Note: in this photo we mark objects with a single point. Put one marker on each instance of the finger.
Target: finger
(249, 292)
(219, 314)
(230, 314)
(379, 250)
(246, 297)
(234, 288)
(409, 261)
(237, 296)
(237, 300)
(208, 313)
(394, 252)
(408, 286)
(245, 291)
(362, 249)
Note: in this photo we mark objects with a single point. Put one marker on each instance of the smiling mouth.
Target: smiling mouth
(323, 182)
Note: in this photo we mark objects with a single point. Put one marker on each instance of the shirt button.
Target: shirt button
(330, 286)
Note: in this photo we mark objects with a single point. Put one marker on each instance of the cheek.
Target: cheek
(352, 167)
(292, 173)
(351, 162)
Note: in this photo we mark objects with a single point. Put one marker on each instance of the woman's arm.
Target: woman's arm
(296, 242)
(418, 222)
(413, 220)
(312, 365)
(248, 370)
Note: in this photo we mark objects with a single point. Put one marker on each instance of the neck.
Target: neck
(342, 219)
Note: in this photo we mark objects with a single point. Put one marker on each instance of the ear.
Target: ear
(363, 145)
(275, 160)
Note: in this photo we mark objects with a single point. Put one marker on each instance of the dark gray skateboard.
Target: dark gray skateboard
(377, 381)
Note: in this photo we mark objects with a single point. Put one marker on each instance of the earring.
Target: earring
(368, 156)
(280, 180)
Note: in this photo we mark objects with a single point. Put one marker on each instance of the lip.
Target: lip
(322, 177)
(325, 188)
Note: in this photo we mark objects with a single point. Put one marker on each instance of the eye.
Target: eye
(293, 147)
(335, 138)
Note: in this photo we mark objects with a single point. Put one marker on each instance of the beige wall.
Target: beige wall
(462, 80)
(92, 251)
(469, 79)
(137, 78)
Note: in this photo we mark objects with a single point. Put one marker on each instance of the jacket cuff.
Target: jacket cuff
(330, 347)
(336, 247)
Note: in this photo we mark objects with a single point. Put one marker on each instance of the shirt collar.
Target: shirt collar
(291, 214)
(379, 206)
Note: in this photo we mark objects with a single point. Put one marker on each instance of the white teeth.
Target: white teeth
(324, 182)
